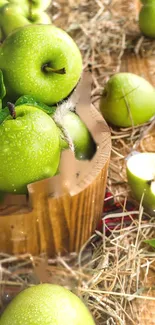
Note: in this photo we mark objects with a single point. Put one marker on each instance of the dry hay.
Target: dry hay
(106, 31)
(115, 267)
(110, 272)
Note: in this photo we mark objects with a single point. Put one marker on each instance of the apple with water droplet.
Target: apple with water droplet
(30, 147)
(45, 62)
(147, 19)
(36, 5)
(84, 145)
(3, 2)
(13, 17)
(141, 178)
(46, 304)
(127, 100)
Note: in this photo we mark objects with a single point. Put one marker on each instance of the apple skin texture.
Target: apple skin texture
(147, 20)
(126, 91)
(40, 18)
(3, 2)
(1, 35)
(80, 135)
(144, 163)
(30, 149)
(46, 304)
(31, 47)
(13, 17)
(145, 2)
(39, 5)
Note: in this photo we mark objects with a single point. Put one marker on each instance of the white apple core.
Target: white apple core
(142, 165)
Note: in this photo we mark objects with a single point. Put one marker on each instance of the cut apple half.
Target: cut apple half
(141, 178)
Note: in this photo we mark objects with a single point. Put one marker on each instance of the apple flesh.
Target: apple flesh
(45, 61)
(46, 304)
(127, 100)
(147, 20)
(83, 142)
(141, 178)
(30, 149)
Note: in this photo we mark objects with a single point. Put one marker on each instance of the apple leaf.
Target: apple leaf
(4, 113)
(2, 86)
(151, 242)
(30, 100)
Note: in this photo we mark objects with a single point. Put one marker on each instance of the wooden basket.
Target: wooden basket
(61, 212)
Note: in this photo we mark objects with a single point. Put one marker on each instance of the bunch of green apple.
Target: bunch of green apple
(147, 18)
(15, 14)
(40, 65)
(127, 100)
(31, 144)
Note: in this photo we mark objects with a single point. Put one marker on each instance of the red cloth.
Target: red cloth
(110, 207)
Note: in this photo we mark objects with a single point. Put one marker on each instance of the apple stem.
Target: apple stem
(11, 108)
(47, 68)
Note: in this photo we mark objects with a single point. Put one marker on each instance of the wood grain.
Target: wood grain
(144, 67)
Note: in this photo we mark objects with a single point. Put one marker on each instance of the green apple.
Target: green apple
(2, 89)
(39, 18)
(30, 148)
(11, 17)
(40, 5)
(22, 4)
(45, 61)
(145, 2)
(141, 178)
(1, 35)
(127, 100)
(3, 2)
(46, 304)
(147, 20)
(83, 142)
